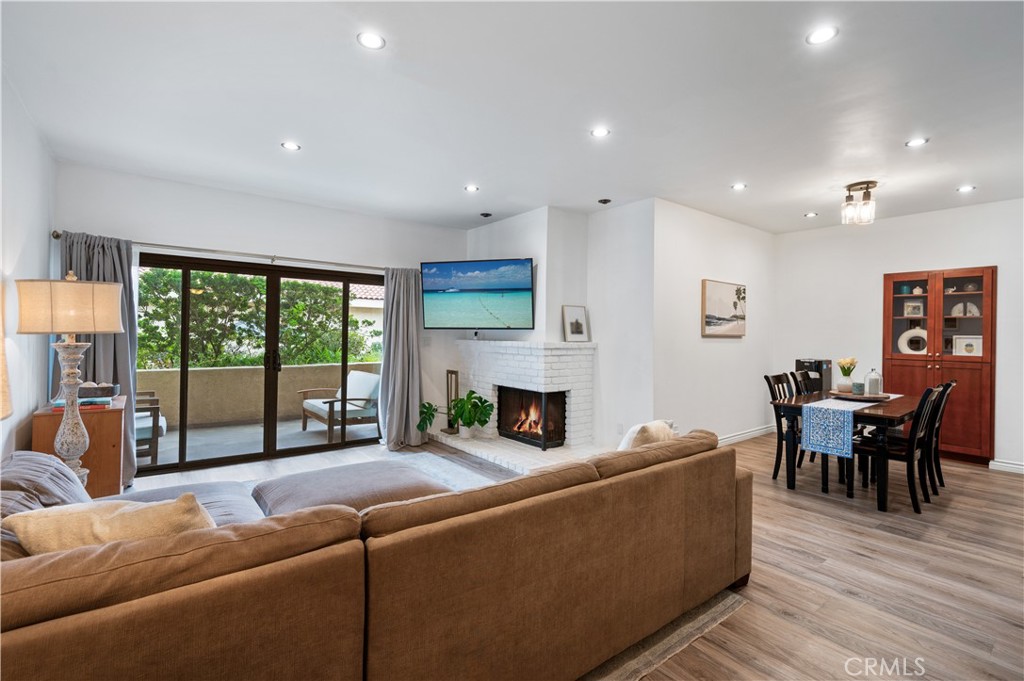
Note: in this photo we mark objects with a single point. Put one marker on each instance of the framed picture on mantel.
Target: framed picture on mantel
(574, 324)
(723, 308)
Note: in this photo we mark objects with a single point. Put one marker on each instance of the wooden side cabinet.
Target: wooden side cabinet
(939, 326)
(103, 458)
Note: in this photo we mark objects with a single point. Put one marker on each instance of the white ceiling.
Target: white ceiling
(698, 95)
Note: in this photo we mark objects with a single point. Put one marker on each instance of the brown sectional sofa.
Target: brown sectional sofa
(539, 577)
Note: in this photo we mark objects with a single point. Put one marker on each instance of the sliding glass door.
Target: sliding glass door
(328, 330)
(239, 361)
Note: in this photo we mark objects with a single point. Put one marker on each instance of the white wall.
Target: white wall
(620, 298)
(28, 177)
(712, 383)
(520, 236)
(828, 300)
(146, 209)
(566, 267)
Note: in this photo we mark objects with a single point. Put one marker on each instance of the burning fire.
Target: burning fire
(528, 422)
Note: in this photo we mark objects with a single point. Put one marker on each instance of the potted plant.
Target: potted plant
(471, 410)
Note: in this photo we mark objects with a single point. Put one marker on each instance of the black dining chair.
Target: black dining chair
(780, 388)
(804, 386)
(913, 450)
(933, 430)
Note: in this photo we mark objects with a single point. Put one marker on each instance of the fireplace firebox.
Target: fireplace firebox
(534, 418)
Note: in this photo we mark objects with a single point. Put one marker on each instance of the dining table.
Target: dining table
(890, 413)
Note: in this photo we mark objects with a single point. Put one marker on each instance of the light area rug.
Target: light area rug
(446, 472)
(644, 657)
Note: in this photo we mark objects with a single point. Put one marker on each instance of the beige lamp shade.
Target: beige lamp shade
(89, 307)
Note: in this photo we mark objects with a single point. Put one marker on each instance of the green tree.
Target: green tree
(228, 318)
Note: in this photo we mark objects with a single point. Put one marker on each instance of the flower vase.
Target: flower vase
(844, 384)
(465, 432)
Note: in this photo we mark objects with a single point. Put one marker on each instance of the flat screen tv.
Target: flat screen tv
(478, 294)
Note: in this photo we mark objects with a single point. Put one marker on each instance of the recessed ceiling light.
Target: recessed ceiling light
(966, 189)
(600, 132)
(604, 202)
(371, 41)
(822, 35)
(810, 215)
(472, 188)
(740, 186)
(485, 215)
(290, 146)
(916, 142)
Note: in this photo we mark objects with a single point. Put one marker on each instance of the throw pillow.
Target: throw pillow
(629, 439)
(66, 527)
(655, 431)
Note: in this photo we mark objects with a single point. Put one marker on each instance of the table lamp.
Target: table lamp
(69, 307)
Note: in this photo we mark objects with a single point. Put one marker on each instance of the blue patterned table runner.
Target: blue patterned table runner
(828, 426)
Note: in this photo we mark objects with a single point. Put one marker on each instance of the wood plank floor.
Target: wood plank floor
(835, 582)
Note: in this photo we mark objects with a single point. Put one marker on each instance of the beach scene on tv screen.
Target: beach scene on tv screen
(482, 294)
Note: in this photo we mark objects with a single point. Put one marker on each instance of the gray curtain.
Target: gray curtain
(400, 370)
(112, 356)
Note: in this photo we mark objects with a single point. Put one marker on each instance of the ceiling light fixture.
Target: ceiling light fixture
(290, 146)
(740, 186)
(600, 132)
(810, 215)
(859, 212)
(966, 189)
(604, 202)
(371, 41)
(916, 142)
(822, 35)
(472, 188)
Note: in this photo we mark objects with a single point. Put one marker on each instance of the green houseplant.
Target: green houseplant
(472, 410)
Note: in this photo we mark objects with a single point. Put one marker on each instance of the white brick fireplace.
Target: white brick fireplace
(537, 366)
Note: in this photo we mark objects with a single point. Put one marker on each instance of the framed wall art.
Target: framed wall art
(723, 309)
(575, 324)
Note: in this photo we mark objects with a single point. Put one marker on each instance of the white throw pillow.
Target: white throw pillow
(630, 436)
(59, 528)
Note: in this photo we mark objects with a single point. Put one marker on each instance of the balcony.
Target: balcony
(226, 409)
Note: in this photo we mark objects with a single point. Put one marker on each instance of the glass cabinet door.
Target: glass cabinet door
(966, 314)
(908, 298)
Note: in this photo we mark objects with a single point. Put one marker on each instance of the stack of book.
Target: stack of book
(85, 403)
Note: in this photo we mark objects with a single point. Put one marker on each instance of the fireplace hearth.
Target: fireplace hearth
(533, 418)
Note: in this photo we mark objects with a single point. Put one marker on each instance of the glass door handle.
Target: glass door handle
(277, 361)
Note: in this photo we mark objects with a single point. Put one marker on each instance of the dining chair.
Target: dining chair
(913, 450)
(933, 430)
(804, 386)
(780, 388)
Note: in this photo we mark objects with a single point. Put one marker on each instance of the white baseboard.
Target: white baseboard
(1008, 466)
(746, 434)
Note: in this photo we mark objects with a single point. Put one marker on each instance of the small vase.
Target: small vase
(465, 432)
(844, 384)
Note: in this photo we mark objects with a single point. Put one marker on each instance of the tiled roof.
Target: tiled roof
(366, 291)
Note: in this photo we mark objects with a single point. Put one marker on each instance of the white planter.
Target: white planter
(465, 433)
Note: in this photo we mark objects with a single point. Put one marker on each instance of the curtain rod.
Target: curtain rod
(272, 258)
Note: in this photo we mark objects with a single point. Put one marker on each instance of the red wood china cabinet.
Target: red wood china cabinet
(941, 325)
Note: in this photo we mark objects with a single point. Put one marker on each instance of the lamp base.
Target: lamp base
(72, 438)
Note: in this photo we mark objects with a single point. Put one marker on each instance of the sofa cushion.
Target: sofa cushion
(653, 431)
(59, 528)
(356, 485)
(226, 502)
(682, 446)
(44, 477)
(389, 518)
(53, 585)
(30, 481)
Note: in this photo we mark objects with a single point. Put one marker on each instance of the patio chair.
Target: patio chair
(150, 425)
(325, 404)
